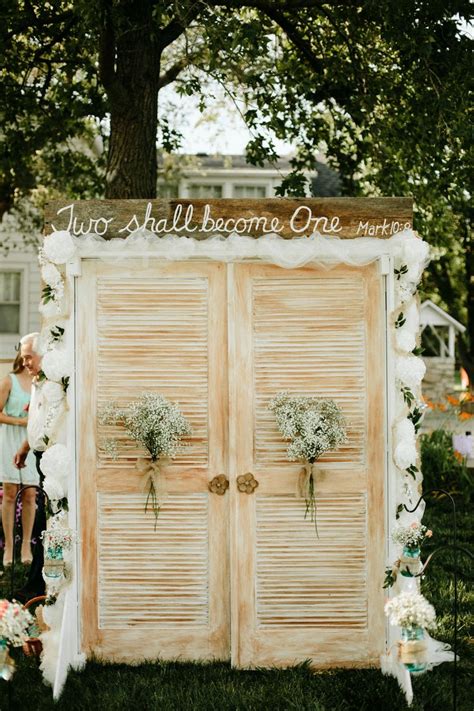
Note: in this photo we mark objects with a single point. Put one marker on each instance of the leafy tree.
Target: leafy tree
(379, 85)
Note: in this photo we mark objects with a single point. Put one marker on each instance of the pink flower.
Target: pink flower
(428, 533)
(415, 524)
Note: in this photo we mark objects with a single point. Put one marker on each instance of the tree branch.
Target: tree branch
(179, 24)
(30, 20)
(174, 71)
(266, 5)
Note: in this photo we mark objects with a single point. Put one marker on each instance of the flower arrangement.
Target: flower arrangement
(14, 623)
(59, 247)
(55, 465)
(405, 453)
(57, 367)
(56, 537)
(411, 536)
(410, 610)
(159, 426)
(314, 426)
(410, 370)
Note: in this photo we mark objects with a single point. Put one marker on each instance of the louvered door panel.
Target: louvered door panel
(306, 317)
(173, 591)
(296, 596)
(148, 593)
(300, 583)
(159, 330)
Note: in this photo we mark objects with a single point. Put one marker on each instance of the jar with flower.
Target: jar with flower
(56, 540)
(413, 614)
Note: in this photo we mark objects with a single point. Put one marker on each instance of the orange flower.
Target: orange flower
(465, 415)
(458, 456)
(442, 407)
(429, 403)
(452, 400)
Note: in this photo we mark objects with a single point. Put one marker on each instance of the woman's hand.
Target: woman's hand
(10, 420)
(20, 456)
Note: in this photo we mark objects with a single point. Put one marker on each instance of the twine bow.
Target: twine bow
(51, 565)
(412, 652)
(409, 566)
(153, 481)
(306, 490)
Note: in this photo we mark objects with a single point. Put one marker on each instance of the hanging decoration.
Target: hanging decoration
(314, 427)
(157, 425)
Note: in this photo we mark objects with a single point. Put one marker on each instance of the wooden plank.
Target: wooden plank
(376, 462)
(345, 218)
(219, 573)
(87, 407)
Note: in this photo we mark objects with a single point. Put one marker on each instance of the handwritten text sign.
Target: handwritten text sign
(337, 217)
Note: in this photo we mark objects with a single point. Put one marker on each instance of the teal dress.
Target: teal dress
(13, 436)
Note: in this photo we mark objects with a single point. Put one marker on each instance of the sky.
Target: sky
(220, 129)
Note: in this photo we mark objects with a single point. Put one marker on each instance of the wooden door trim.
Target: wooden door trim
(86, 328)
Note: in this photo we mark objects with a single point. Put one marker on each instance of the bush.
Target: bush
(441, 467)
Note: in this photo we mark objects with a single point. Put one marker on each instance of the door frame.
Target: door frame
(70, 642)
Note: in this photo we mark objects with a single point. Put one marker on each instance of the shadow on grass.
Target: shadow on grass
(174, 686)
(216, 686)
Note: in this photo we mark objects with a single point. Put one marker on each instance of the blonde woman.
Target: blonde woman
(15, 392)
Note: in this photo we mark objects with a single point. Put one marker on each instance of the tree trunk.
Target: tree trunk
(130, 63)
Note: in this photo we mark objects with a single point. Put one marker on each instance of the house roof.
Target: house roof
(431, 314)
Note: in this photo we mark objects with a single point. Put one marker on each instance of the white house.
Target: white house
(230, 176)
(20, 292)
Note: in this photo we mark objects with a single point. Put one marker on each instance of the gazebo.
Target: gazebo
(438, 339)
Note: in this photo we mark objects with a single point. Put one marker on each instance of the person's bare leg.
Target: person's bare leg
(28, 500)
(8, 517)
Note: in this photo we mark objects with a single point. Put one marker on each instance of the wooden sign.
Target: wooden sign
(345, 218)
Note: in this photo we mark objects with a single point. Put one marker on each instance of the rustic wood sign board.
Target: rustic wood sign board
(345, 218)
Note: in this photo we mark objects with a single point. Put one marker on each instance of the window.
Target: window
(201, 190)
(249, 191)
(168, 190)
(10, 301)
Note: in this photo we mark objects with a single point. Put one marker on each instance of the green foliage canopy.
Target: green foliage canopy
(380, 86)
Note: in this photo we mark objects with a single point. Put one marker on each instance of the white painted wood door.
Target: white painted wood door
(149, 593)
(295, 596)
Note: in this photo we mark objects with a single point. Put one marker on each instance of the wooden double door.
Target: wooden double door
(238, 576)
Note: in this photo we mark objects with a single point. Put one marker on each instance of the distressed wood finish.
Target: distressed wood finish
(294, 596)
(384, 215)
(221, 340)
(146, 593)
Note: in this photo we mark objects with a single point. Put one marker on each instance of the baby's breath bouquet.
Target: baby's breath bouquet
(14, 625)
(409, 610)
(411, 536)
(159, 426)
(314, 426)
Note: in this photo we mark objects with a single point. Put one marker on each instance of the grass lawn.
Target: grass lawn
(179, 686)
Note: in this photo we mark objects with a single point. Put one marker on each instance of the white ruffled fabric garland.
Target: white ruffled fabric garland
(410, 255)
